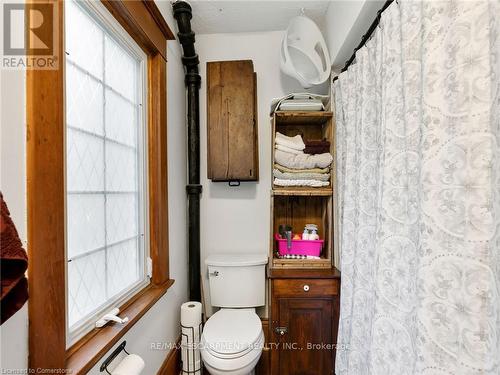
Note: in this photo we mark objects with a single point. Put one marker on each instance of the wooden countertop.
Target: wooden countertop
(288, 273)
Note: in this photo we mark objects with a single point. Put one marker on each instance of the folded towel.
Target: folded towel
(295, 142)
(313, 150)
(301, 176)
(316, 146)
(302, 161)
(290, 170)
(316, 150)
(310, 183)
(14, 262)
(288, 149)
(317, 142)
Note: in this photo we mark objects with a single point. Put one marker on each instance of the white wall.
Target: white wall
(161, 323)
(346, 23)
(237, 219)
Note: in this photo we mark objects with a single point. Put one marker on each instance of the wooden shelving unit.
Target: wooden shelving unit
(304, 294)
(298, 206)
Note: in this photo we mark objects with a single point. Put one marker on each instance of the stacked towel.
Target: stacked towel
(301, 176)
(294, 167)
(295, 143)
(317, 147)
(289, 150)
(302, 161)
(310, 183)
(290, 170)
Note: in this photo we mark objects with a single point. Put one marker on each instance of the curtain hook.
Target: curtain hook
(302, 11)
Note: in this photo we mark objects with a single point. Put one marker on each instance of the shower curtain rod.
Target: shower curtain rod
(365, 38)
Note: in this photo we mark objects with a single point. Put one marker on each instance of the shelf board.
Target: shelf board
(299, 190)
(301, 263)
(302, 117)
(303, 273)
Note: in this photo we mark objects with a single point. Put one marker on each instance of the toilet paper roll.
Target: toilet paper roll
(190, 343)
(132, 364)
(191, 314)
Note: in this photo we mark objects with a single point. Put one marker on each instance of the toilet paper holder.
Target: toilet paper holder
(112, 356)
(191, 348)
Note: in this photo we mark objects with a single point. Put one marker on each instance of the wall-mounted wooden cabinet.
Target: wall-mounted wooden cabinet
(232, 121)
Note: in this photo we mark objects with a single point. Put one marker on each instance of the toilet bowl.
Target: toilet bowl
(232, 342)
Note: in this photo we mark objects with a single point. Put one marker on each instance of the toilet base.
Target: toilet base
(247, 370)
(250, 373)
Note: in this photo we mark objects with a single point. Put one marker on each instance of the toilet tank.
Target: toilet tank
(237, 280)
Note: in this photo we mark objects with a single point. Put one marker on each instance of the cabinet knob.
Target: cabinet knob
(306, 288)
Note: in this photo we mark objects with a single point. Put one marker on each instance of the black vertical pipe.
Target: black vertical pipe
(183, 15)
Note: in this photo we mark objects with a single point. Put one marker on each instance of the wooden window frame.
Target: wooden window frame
(45, 120)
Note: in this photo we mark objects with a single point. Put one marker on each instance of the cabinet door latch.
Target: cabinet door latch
(281, 330)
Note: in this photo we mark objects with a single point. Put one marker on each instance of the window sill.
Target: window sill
(85, 353)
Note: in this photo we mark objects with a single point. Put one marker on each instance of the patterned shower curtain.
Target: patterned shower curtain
(418, 118)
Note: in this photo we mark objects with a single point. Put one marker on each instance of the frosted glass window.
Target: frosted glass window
(105, 164)
(84, 161)
(85, 104)
(84, 35)
(120, 119)
(86, 223)
(122, 260)
(120, 213)
(118, 65)
(121, 179)
(86, 284)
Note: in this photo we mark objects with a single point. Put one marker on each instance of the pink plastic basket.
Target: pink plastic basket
(299, 247)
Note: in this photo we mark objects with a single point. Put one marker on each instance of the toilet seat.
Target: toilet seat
(232, 341)
(231, 333)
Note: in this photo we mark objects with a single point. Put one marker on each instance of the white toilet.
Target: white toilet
(232, 339)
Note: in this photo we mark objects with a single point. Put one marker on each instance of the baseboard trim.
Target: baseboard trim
(172, 363)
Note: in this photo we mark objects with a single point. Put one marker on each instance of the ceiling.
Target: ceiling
(238, 16)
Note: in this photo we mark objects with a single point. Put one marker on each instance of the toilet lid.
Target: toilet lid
(232, 331)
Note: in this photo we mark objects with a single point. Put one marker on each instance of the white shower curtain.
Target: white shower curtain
(418, 119)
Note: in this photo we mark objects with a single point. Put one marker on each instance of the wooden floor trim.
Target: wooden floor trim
(172, 364)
